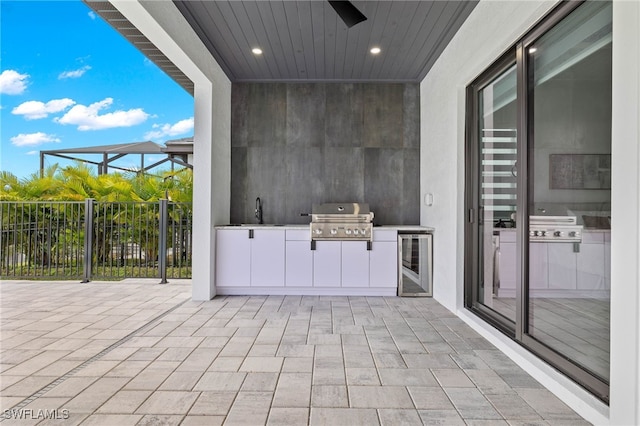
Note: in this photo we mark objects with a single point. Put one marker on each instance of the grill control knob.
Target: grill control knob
(574, 234)
(532, 233)
(558, 234)
(356, 231)
(543, 233)
(317, 231)
(334, 231)
(348, 231)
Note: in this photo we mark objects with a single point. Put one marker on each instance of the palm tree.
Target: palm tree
(134, 224)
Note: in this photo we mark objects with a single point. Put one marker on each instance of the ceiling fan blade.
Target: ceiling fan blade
(347, 12)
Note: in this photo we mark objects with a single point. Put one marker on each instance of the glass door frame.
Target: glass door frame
(518, 331)
(474, 213)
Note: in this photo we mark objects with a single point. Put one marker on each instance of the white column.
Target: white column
(211, 181)
(168, 30)
(625, 218)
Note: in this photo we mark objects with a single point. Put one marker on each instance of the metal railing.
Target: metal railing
(95, 240)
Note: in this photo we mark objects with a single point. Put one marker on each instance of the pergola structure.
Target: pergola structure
(110, 153)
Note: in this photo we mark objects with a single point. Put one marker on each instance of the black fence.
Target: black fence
(95, 240)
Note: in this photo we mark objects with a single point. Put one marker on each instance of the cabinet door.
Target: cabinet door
(233, 254)
(539, 265)
(591, 267)
(267, 258)
(507, 265)
(326, 264)
(299, 264)
(562, 266)
(383, 264)
(355, 264)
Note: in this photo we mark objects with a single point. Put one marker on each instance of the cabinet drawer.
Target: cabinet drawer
(298, 235)
(385, 235)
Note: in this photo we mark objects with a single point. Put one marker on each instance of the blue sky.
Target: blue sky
(68, 79)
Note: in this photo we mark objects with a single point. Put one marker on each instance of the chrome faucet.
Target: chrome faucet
(259, 210)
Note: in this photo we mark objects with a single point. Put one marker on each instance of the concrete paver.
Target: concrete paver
(135, 352)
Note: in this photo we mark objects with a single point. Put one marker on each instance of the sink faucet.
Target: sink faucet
(259, 210)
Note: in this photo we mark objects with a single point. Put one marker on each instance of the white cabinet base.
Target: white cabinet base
(305, 291)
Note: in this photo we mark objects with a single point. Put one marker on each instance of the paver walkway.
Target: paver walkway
(138, 353)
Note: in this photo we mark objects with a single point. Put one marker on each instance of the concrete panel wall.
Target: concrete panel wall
(299, 144)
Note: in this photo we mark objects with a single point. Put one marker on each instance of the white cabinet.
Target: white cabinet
(298, 259)
(267, 258)
(242, 261)
(564, 269)
(233, 254)
(507, 265)
(592, 269)
(538, 265)
(383, 264)
(383, 259)
(279, 260)
(562, 266)
(355, 264)
(327, 259)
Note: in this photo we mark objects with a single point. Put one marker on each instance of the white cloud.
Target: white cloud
(33, 110)
(12, 82)
(92, 15)
(88, 117)
(179, 128)
(33, 152)
(75, 73)
(33, 139)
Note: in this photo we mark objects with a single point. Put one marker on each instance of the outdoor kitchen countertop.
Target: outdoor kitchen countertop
(400, 228)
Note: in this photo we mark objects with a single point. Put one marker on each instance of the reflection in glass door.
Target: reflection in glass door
(495, 194)
(569, 70)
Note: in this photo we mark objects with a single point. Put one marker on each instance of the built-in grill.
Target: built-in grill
(341, 221)
(562, 229)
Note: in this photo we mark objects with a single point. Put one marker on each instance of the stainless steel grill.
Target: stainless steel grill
(341, 221)
(562, 229)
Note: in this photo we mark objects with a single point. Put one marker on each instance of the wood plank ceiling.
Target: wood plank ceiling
(307, 41)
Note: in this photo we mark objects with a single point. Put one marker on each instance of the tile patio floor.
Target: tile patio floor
(138, 353)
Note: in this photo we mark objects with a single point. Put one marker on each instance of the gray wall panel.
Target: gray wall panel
(311, 143)
(238, 185)
(240, 116)
(304, 186)
(344, 175)
(383, 123)
(411, 187)
(383, 180)
(411, 116)
(266, 114)
(267, 179)
(305, 115)
(344, 115)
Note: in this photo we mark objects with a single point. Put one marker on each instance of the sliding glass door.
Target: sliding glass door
(538, 235)
(493, 184)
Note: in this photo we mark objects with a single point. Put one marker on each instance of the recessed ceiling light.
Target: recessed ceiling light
(375, 50)
(256, 51)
